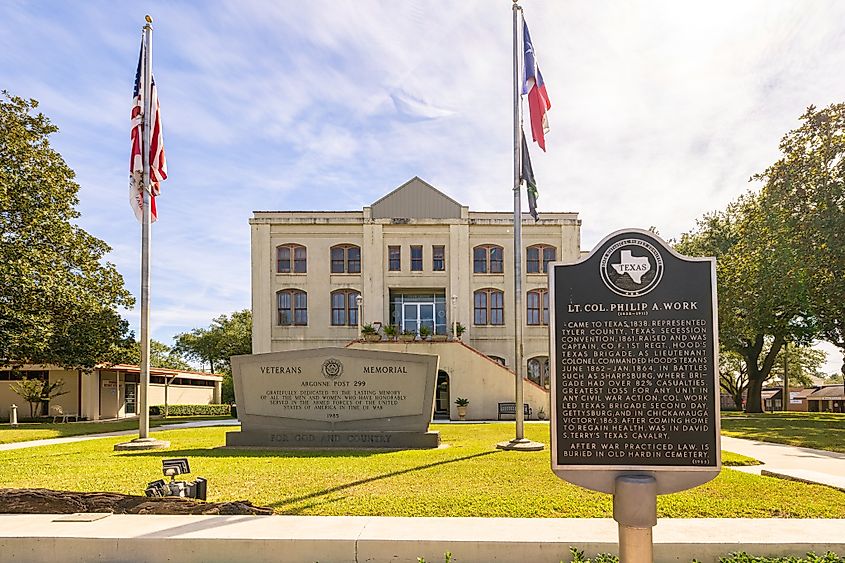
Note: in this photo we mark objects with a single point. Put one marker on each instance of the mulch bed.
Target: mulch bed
(46, 501)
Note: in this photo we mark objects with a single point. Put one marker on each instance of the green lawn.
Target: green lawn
(41, 430)
(735, 460)
(822, 431)
(467, 478)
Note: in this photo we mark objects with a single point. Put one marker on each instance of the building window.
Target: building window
(346, 259)
(498, 360)
(17, 375)
(538, 371)
(345, 307)
(487, 259)
(292, 305)
(291, 258)
(489, 307)
(538, 258)
(416, 259)
(438, 258)
(394, 258)
(537, 307)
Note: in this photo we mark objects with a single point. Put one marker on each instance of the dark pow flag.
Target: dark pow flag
(527, 176)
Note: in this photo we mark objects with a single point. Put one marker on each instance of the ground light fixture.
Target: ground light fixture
(189, 489)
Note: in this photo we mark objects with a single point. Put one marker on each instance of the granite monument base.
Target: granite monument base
(285, 439)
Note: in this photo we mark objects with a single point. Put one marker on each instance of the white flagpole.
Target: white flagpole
(519, 442)
(143, 441)
(144, 414)
(517, 223)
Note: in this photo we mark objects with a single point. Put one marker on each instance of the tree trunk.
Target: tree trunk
(754, 400)
(738, 399)
(758, 375)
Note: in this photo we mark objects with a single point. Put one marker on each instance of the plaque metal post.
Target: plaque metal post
(635, 509)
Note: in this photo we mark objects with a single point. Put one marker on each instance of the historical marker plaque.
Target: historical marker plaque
(634, 349)
(335, 398)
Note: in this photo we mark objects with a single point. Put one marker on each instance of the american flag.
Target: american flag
(158, 164)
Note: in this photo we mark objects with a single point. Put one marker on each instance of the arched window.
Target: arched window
(537, 258)
(346, 259)
(488, 259)
(345, 307)
(498, 360)
(291, 258)
(537, 307)
(292, 307)
(538, 371)
(489, 307)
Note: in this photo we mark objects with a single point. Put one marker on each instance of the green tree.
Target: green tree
(733, 376)
(808, 184)
(761, 286)
(36, 391)
(226, 336)
(58, 297)
(834, 378)
(803, 366)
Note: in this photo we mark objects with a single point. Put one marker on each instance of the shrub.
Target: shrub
(192, 410)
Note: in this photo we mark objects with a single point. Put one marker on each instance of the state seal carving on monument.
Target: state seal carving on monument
(332, 368)
(631, 267)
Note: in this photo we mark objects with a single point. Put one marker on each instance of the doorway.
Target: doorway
(441, 396)
(416, 315)
(412, 310)
(130, 391)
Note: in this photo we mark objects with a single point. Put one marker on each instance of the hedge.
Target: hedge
(192, 410)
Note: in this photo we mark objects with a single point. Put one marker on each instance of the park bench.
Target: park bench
(510, 408)
(58, 412)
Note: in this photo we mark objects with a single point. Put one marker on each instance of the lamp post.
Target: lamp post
(358, 302)
(454, 318)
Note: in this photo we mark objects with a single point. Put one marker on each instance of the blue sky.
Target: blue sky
(661, 112)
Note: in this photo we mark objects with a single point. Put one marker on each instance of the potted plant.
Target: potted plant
(407, 335)
(425, 332)
(541, 413)
(370, 334)
(462, 407)
(459, 330)
(438, 337)
(390, 331)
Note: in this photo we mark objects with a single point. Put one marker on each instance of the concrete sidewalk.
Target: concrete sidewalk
(85, 437)
(790, 462)
(306, 539)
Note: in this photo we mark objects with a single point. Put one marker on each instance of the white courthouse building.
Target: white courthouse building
(417, 258)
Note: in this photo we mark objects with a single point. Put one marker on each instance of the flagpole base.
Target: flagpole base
(139, 444)
(521, 445)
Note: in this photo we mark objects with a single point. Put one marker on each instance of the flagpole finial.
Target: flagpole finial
(150, 20)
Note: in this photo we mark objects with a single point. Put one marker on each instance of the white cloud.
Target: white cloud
(661, 112)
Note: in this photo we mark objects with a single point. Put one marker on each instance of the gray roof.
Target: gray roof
(416, 199)
(828, 392)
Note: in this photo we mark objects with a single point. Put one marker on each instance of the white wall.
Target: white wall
(181, 395)
(472, 376)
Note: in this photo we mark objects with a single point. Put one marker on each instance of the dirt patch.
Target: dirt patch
(45, 501)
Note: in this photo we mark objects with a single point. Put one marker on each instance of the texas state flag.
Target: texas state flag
(533, 85)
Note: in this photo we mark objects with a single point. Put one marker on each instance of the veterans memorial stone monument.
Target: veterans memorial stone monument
(634, 350)
(335, 398)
